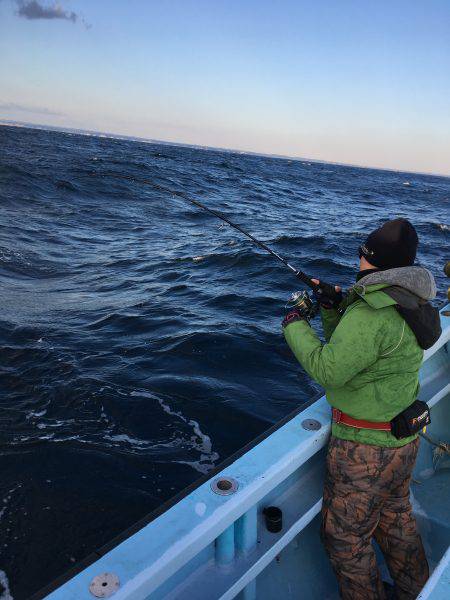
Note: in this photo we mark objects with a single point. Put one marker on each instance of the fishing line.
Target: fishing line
(299, 274)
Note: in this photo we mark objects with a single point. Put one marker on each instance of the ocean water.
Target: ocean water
(140, 339)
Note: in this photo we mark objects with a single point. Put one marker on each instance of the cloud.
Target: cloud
(32, 10)
(12, 106)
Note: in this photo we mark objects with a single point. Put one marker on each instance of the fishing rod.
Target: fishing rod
(321, 289)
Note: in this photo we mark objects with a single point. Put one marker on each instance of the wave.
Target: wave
(102, 432)
(299, 239)
(5, 501)
(200, 441)
(66, 185)
(4, 583)
(28, 264)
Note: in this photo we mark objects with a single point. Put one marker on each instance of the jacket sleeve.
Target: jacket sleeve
(330, 318)
(353, 346)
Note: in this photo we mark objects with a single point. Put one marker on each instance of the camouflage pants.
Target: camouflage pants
(366, 496)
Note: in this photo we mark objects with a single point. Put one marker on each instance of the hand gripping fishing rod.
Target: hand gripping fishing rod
(320, 289)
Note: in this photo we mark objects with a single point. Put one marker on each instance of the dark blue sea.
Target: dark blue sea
(140, 339)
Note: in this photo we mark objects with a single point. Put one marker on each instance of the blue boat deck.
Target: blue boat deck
(438, 585)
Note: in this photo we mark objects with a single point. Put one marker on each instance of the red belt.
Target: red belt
(340, 417)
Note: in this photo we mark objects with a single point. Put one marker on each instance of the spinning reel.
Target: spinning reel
(303, 302)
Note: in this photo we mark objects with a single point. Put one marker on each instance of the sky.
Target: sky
(349, 81)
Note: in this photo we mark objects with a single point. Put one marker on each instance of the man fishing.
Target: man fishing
(369, 367)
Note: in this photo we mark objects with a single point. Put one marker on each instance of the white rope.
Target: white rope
(400, 341)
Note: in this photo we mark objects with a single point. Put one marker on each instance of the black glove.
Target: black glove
(327, 296)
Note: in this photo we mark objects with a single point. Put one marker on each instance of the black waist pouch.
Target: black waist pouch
(411, 420)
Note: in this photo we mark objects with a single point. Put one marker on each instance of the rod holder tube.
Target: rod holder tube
(225, 546)
(246, 531)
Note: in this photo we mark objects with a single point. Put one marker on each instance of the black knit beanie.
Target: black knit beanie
(394, 244)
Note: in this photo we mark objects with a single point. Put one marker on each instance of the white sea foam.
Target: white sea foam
(7, 255)
(200, 442)
(4, 506)
(36, 413)
(6, 499)
(6, 594)
(443, 227)
(197, 465)
(122, 437)
(196, 441)
(55, 423)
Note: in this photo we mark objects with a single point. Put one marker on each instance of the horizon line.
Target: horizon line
(132, 138)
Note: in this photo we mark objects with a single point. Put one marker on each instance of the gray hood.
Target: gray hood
(417, 280)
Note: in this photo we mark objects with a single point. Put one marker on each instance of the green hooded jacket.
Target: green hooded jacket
(370, 364)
